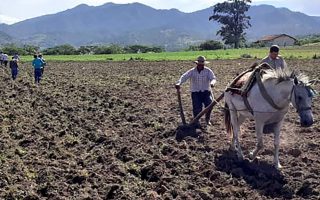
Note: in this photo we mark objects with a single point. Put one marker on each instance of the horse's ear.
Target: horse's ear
(296, 81)
(293, 74)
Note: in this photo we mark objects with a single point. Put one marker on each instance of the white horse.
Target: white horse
(283, 88)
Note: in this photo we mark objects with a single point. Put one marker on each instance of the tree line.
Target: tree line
(67, 49)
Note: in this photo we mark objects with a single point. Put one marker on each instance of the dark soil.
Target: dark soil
(107, 130)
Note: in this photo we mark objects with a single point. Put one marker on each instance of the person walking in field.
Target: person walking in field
(274, 59)
(16, 56)
(14, 68)
(202, 79)
(44, 63)
(37, 65)
(1, 58)
(5, 59)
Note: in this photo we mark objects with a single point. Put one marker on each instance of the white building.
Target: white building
(280, 40)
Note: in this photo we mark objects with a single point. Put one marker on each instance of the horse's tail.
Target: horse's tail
(227, 119)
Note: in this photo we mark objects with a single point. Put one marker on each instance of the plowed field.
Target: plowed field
(106, 130)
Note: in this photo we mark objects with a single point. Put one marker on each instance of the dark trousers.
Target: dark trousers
(37, 75)
(198, 100)
(5, 62)
(14, 73)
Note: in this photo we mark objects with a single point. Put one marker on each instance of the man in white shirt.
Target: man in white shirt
(1, 59)
(274, 59)
(5, 59)
(202, 79)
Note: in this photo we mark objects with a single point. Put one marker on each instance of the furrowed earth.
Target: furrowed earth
(106, 130)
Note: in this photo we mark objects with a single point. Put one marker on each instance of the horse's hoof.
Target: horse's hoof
(252, 156)
(278, 166)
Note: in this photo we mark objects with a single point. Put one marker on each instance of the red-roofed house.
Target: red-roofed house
(281, 40)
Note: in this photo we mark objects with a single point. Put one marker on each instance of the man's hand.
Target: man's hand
(177, 87)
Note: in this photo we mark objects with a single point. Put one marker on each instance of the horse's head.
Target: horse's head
(301, 99)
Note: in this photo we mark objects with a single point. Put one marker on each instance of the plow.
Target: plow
(189, 129)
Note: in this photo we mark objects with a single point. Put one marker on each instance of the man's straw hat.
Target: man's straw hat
(201, 60)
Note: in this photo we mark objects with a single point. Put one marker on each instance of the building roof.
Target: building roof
(272, 37)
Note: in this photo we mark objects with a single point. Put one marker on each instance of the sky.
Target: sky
(12, 11)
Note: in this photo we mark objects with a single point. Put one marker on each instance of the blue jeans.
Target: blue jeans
(14, 73)
(37, 75)
(198, 100)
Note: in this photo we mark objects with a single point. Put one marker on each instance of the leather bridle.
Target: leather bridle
(299, 109)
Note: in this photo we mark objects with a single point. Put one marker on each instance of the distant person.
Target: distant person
(5, 59)
(16, 56)
(14, 68)
(37, 65)
(201, 78)
(1, 58)
(44, 63)
(274, 59)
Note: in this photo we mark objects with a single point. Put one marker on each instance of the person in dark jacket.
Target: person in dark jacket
(14, 68)
(37, 65)
(44, 63)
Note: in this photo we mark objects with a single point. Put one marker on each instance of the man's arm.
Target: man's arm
(183, 78)
(212, 78)
(284, 64)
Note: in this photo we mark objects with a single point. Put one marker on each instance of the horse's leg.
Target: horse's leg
(259, 131)
(241, 119)
(276, 145)
(236, 131)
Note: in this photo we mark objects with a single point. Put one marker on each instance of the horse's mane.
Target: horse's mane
(285, 75)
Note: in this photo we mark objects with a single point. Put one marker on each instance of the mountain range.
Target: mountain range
(135, 23)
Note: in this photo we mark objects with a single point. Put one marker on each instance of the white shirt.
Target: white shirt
(199, 81)
(275, 63)
(5, 57)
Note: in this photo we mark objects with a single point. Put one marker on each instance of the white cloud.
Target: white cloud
(8, 20)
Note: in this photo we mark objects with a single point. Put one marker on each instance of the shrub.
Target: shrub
(12, 49)
(211, 45)
(142, 49)
(193, 48)
(61, 50)
(246, 56)
(112, 49)
(31, 49)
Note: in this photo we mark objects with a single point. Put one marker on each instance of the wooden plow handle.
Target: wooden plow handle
(183, 119)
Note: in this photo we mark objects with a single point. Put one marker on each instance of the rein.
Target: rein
(265, 94)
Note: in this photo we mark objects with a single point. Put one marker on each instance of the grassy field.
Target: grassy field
(305, 52)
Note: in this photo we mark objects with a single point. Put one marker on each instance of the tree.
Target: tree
(112, 49)
(12, 49)
(231, 14)
(85, 49)
(31, 49)
(65, 49)
(210, 45)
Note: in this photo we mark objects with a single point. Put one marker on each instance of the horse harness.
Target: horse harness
(255, 77)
